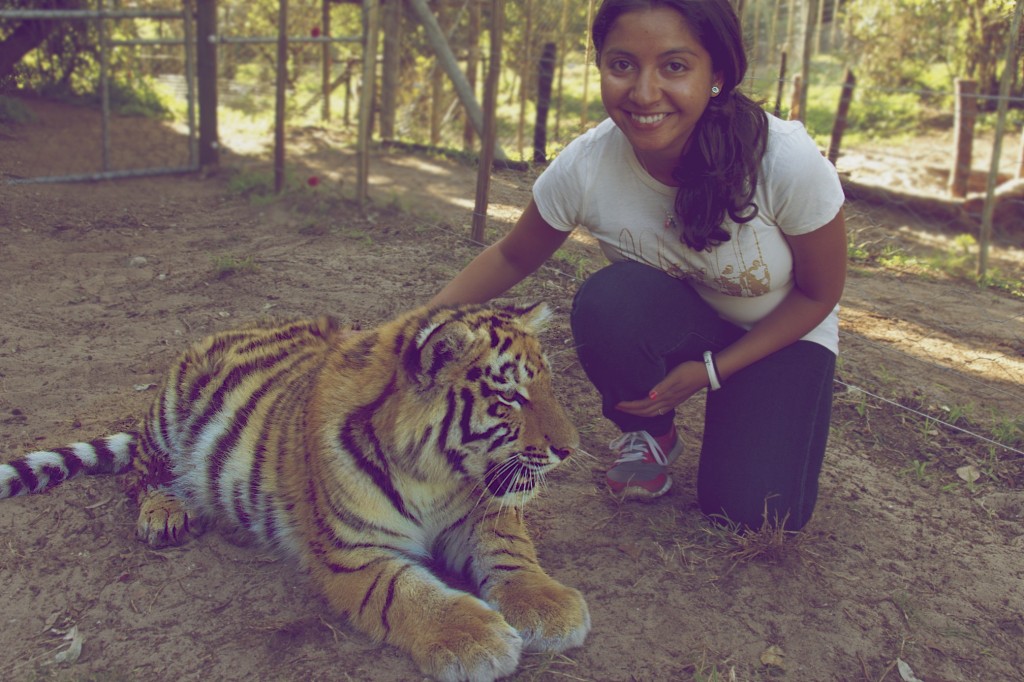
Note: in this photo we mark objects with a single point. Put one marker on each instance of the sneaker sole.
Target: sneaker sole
(636, 492)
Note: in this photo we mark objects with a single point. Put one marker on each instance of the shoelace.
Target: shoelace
(635, 445)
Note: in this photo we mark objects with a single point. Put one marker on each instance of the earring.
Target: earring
(715, 89)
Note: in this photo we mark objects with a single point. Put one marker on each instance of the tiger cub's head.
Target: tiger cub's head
(496, 419)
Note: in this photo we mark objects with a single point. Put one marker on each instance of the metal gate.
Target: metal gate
(102, 16)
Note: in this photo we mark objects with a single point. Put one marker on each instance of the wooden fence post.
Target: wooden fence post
(206, 72)
(1005, 82)
(545, 77)
(839, 126)
(371, 26)
(490, 124)
(389, 77)
(588, 60)
(279, 95)
(1020, 156)
(472, 67)
(782, 80)
(795, 114)
(325, 61)
(963, 136)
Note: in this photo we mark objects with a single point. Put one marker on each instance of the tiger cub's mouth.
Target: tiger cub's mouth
(515, 475)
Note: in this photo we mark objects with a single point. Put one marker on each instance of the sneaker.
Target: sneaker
(641, 471)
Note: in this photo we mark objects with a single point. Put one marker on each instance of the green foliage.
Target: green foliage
(228, 266)
(257, 186)
(137, 99)
(915, 43)
(891, 39)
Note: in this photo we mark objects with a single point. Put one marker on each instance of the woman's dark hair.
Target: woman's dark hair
(717, 172)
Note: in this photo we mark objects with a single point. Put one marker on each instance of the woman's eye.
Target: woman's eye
(675, 67)
(620, 65)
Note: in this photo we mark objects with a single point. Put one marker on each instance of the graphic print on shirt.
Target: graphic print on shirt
(736, 277)
(726, 269)
(631, 247)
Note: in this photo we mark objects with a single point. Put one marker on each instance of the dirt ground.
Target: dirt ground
(911, 567)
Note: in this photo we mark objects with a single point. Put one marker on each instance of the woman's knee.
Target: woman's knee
(623, 294)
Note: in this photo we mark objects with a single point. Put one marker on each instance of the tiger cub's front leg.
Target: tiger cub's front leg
(450, 634)
(547, 614)
(164, 521)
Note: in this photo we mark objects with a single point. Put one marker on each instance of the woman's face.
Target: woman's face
(656, 81)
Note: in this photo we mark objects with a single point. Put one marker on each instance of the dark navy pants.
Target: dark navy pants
(765, 430)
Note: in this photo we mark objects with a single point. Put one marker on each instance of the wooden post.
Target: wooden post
(782, 81)
(371, 27)
(845, 97)
(489, 136)
(348, 93)
(525, 57)
(545, 76)
(1009, 62)
(279, 99)
(563, 23)
(1020, 156)
(325, 60)
(963, 136)
(206, 86)
(389, 77)
(795, 113)
(437, 80)
(588, 60)
(472, 67)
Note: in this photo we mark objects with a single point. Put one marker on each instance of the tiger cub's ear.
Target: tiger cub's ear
(436, 344)
(534, 318)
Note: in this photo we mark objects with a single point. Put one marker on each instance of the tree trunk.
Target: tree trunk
(27, 36)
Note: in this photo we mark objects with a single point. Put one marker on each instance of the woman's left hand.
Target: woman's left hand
(678, 385)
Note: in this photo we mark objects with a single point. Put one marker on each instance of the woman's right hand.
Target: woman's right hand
(676, 388)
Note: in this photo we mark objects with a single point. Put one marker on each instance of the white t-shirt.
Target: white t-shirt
(598, 183)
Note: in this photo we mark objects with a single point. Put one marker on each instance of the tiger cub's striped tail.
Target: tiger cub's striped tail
(39, 471)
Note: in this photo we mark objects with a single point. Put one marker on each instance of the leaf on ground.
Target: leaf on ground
(774, 657)
(906, 673)
(74, 650)
(969, 473)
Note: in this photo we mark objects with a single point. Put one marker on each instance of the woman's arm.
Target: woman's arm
(505, 263)
(819, 271)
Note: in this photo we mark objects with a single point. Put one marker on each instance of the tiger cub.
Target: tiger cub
(370, 456)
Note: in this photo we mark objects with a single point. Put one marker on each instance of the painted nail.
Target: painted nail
(653, 395)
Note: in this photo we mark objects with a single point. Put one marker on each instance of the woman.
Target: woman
(727, 244)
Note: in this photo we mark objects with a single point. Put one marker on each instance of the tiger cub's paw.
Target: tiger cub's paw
(548, 615)
(163, 521)
(469, 641)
